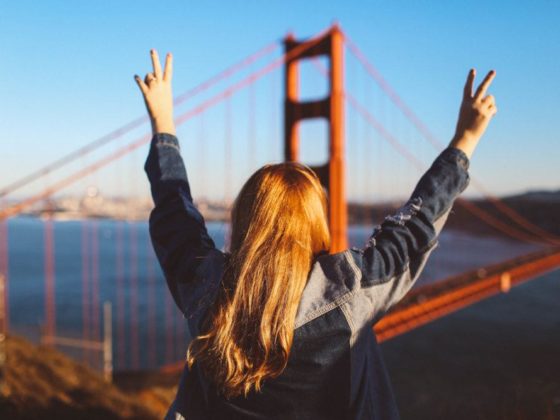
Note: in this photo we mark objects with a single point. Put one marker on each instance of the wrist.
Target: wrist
(163, 126)
(465, 142)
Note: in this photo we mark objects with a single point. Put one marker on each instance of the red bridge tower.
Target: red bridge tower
(332, 173)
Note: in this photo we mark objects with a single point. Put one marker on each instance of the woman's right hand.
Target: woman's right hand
(157, 93)
(475, 114)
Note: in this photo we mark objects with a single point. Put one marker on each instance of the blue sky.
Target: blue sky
(67, 72)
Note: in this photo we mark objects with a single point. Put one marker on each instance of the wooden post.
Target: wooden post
(3, 328)
(107, 342)
(50, 306)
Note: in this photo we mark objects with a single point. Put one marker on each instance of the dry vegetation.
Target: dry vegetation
(43, 383)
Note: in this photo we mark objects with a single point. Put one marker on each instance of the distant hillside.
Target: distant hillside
(541, 208)
(44, 384)
(544, 196)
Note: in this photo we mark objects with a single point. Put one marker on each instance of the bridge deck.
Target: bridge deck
(495, 359)
(434, 301)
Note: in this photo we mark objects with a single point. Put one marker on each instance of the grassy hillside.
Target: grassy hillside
(42, 383)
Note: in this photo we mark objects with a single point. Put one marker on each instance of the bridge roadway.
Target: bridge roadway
(433, 301)
(496, 359)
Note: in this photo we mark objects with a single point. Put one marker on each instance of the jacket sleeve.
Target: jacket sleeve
(177, 229)
(398, 249)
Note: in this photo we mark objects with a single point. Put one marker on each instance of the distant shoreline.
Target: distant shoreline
(539, 208)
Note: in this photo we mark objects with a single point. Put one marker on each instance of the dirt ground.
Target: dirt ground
(41, 382)
(497, 359)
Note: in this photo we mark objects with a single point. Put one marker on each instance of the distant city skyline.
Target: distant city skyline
(70, 82)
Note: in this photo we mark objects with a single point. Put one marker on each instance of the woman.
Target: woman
(283, 329)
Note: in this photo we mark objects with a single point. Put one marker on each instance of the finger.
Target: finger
(149, 78)
(467, 93)
(155, 63)
(481, 91)
(141, 84)
(168, 71)
(489, 100)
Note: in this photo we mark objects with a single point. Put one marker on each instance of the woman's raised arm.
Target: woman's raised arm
(399, 248)
(177, 229)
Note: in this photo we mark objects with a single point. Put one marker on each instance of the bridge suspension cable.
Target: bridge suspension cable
(128, 127)
(427, 134)
(542, 236)
(494, 222)
(251, 78)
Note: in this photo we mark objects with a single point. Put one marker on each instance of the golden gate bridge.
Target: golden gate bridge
(370, 131)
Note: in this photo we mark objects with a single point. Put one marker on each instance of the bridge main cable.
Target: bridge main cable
(126, 128)
(482, 214)
(472, 208)
(253, 77)
(427, 134)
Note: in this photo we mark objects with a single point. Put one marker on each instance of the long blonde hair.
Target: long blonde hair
(279, 225)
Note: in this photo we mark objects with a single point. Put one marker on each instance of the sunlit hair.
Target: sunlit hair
(279, 225)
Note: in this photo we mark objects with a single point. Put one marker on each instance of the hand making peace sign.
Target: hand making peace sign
(158, 97)
(475, 113)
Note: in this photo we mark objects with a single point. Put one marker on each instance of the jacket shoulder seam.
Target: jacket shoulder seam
(327, 308)
(339, 301)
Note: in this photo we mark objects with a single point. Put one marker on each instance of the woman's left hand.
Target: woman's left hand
(158, 97)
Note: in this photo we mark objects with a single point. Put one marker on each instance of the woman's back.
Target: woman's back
(334, 371)
(335, 368)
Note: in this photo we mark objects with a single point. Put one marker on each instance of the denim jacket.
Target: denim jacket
(335, 369)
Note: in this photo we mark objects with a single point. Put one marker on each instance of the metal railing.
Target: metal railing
(105, 346)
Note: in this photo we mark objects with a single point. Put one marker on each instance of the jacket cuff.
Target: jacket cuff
(447, 177)
(456, 156)
(165, 139)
